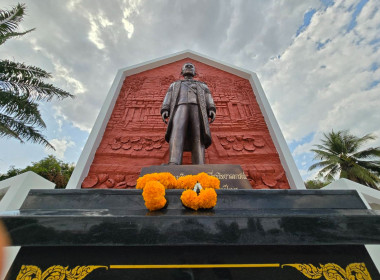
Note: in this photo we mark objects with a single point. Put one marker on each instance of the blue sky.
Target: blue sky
(318, 61)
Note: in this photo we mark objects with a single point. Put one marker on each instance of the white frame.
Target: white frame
(86, 158)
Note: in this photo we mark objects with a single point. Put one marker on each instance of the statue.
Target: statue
(188, 105)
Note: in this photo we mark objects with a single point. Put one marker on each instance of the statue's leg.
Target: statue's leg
(178, 134)
(198, 148)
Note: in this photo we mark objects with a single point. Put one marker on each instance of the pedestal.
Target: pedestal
(260, 234)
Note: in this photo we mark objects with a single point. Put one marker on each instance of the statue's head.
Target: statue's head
(188, 69)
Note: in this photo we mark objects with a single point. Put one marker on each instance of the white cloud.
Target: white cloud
(131, 7)
(60, 146)
(320, 80)
(62, 75)
(325, 88)
(128, 26)
(73, 85)
(72, 4)
(94, 34)
(104, 22)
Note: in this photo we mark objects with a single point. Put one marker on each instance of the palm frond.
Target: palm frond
(326, 149)
(20, 108)
(323, 155)
(9, 21)
(334, 142)
(14, 69)
(330, 175)
(321, 164)
(27, 81)
(363, 176)
(21, 86)
(359, 141)
(10, 127)
(374, 166)
(367, 153)
(35, 90)
(7, 36)
(328, 171)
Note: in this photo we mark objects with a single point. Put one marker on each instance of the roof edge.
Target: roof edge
(151, 64)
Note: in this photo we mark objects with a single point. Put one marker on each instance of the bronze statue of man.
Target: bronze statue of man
(188, 104)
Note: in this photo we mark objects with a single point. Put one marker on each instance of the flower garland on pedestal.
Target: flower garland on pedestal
(202, 197)
(154, 195)
(205, 200)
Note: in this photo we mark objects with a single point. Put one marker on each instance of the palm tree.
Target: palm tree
(21, 87)
(340, 154)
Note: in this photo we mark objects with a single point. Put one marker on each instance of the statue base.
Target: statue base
(231, 176)
(264, 234)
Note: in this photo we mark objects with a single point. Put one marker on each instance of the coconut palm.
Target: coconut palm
(340, 154)
(21, 87)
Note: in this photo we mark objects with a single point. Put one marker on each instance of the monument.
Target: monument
(99, 228)
(130, 134)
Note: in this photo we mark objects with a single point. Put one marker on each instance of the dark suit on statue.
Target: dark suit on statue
(188, 103)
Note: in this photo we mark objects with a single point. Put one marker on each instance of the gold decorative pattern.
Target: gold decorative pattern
(330, 271)
(333, 271)
(56, 272)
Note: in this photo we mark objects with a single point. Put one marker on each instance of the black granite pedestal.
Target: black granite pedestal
(249, 234)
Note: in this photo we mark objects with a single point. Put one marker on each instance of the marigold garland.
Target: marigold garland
(205, 200)
(154, 195)
(189, 198)
(165, 178)
(186, 182)
(154, 185)
(208, 181)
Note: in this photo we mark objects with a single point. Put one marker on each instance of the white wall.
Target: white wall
(85, 160)
(17, 188)
(13, 192)
(369, 196)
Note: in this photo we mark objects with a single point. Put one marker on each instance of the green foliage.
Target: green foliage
(340, 155)
(9, 21)
(10, 173)
(315, 184)
(50, 168)
(21, 87)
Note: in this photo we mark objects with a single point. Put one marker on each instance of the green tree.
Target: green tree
(21, 87)
(50, 168)
(340, 155)
(315, 184)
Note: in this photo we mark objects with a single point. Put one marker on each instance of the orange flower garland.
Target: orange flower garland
(154, 195)
(165, 178)
(154, 185)
(141, 182)
(208, 181)
(205, 200)
(189, 198)
(186, 182)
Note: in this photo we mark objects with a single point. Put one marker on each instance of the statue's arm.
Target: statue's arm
(211, 109)
(165, 108)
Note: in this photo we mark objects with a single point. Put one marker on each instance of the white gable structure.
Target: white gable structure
(88, 153)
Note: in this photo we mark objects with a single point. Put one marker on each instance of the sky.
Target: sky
(317, 60)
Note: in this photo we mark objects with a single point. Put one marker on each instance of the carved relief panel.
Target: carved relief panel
(134, 137)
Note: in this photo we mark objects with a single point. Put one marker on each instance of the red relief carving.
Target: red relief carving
(134, 137)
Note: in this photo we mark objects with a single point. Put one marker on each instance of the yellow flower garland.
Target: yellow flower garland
(154, 185)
